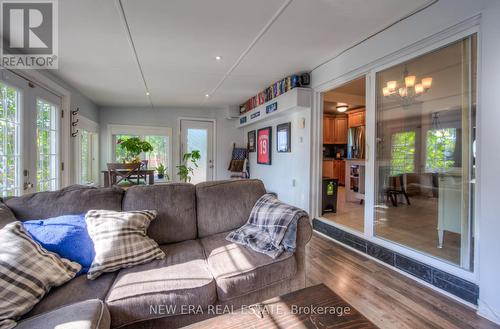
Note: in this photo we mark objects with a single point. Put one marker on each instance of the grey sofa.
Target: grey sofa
(201, 268)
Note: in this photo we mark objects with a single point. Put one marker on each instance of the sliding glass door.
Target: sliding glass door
(29, 137)
(425, 153)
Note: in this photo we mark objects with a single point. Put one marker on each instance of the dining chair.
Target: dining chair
(123, 172)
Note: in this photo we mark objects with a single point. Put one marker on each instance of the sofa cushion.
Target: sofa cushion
(120, 240)
(77, 290)
(89, 314)
(147, 291)
(27, 272)
(239, 270)
(225, 205)
(176, 207)
(6, 215)
(71, 200)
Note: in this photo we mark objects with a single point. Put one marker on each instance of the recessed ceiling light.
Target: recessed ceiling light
(147, 93)
(218, 58)
(207, 95)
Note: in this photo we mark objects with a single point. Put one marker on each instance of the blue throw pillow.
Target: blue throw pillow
(67, 236)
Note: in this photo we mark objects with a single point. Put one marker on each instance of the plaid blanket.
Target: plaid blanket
(271, 227)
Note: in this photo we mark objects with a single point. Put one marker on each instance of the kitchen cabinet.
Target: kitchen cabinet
(340, 130)
(356, 119)
(334, 169)
(334, 130)
(327, 130)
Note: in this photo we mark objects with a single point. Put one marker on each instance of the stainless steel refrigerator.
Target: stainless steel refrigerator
(356, 143)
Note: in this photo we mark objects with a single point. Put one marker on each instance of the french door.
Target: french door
(199, 135)
(29, 137)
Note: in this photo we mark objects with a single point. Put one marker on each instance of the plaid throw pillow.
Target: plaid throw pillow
(27, 272)
(120, 240)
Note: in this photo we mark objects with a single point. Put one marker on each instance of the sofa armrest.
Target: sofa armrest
(89, 314)
(304, 231)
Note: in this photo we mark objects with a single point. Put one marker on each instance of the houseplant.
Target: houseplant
(190, 162)
(161, 170)
(133, 147)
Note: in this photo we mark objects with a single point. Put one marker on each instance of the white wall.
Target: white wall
(226, 134)
(288, 175)
(439, 17)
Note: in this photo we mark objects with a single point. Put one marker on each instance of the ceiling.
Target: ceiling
(176, 42)
(352, 93)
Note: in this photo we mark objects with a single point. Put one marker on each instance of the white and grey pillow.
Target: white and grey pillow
(120, 240)
(27, 272)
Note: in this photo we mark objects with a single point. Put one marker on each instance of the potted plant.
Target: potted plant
(161, 170)
(190, 161)
(133, 147)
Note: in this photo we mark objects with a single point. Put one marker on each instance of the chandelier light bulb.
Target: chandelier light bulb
(427, 82)
(386, 91)
(391, 85)
(410, 81)
(419, 88)
(403, 92)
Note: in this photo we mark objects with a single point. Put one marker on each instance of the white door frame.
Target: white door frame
(214, 140)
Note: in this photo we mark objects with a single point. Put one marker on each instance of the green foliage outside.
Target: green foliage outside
(9, 156)
(440, 149)
(190, 162)
(403, 153)
(133, 147)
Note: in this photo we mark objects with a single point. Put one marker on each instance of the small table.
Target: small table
(298, 309)
(148, 172)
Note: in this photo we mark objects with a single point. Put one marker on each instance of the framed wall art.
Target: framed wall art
(283, 140)
(251, 141)
(264, 145)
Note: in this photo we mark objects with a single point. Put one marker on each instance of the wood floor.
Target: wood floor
(413, 226)
(386, 297)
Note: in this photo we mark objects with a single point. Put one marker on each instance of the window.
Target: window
(47, 146)
(119, 153)
(440, 149)
(88, 157)
(403, 153)
(9, 141)
(159, 137)
(159, 155)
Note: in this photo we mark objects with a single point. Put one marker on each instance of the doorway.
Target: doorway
(199, 135)
(30, 130)
(343, 163)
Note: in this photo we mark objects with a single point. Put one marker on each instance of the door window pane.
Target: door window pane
(47, 169)
(197, 139)
(9, 141)
(425, 165)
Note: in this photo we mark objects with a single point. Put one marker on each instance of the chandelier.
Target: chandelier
(408, 89)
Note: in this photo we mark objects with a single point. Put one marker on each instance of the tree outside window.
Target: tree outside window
(440, 149)
(403, 153)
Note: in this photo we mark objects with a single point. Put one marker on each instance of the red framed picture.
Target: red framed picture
(264, 148)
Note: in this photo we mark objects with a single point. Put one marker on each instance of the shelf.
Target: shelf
(297, 98)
